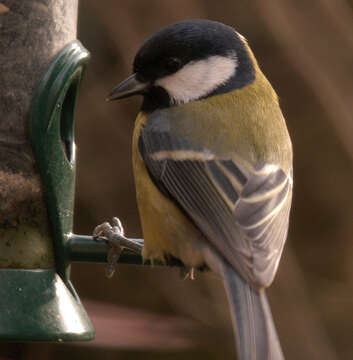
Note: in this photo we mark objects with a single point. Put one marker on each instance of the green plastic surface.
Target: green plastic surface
(52, 135)
(36, 305)
(42, 305)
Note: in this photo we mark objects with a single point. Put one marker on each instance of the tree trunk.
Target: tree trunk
(31, 34)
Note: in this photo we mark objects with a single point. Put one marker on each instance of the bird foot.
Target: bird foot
(114, 234)
(187, 273)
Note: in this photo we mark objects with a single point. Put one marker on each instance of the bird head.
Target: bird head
(188, 61)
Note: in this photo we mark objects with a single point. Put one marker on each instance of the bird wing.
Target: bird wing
(241, 210)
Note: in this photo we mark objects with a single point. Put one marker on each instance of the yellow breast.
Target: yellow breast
(165, 228)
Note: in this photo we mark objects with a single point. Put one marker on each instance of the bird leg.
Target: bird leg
(114, 234)
(187, 272)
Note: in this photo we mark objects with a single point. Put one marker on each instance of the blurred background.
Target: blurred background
(305, 48)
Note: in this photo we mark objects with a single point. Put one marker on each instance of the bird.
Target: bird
(212, 163)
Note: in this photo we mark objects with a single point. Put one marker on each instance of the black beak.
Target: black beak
(128, 87)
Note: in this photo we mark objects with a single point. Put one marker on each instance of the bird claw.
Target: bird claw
(106, 228)
(187, 273)
(114, 233)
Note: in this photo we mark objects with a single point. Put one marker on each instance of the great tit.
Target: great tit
(212, 162)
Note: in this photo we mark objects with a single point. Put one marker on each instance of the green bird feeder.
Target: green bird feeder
(41, 304)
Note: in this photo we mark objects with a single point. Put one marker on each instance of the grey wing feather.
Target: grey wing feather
(262, 213)
(241, 210)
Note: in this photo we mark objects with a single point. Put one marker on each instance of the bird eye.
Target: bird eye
(172, 64)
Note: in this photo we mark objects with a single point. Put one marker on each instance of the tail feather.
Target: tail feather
(255, 332)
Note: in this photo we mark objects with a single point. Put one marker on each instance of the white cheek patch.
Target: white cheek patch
(199, 78)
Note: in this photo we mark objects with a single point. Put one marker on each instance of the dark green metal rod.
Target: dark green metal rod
(82, 248)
